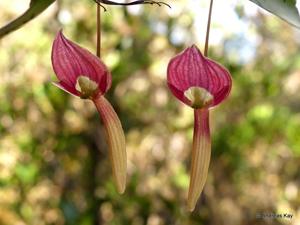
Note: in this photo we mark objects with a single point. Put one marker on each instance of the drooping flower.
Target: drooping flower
(200, 83)
(84, 75)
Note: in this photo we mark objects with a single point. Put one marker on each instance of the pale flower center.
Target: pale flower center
(199, 97)
(86, 86)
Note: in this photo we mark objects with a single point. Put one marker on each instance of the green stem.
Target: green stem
(98, 51)
(208, 28)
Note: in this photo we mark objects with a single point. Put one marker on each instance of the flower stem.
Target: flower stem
(208, 28)
(98, 51)
(116, 141)
(200, 156)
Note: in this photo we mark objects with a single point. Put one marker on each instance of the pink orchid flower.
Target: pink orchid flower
(82, 74)
(201, 84)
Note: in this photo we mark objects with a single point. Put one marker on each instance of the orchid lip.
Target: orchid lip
(86, 87)
(199, 97)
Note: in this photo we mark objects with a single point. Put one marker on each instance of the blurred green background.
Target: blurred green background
(54, 166)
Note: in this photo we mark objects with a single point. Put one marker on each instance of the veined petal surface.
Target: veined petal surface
(200, 156)
(191, 69)
(70, 61)
(116, 141)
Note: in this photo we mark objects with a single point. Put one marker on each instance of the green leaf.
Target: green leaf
(285, 9)
(35, 8)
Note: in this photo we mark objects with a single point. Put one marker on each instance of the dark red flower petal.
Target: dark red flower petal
(62, 85)
(192, 69)
(70, 61)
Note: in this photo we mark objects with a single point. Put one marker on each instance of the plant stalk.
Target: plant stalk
(98, 47)
(208, 28)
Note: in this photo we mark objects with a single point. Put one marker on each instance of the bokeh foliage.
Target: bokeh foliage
(54, 167)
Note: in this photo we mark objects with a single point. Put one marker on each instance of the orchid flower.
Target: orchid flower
(201, 84)
(82, 74)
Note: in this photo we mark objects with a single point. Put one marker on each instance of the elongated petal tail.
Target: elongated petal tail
(200, 156)
(116, 141)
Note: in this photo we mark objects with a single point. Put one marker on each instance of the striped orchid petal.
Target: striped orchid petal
(200, 156)
(192, 69)
(82, 74)
(116, 141)
(70, 61)
(200, 83)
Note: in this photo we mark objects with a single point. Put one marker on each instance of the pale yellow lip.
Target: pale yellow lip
(86, 87)
(116, 141)
(200, 157)
(199, 97)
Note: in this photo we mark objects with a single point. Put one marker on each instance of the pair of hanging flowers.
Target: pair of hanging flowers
(194, 79)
